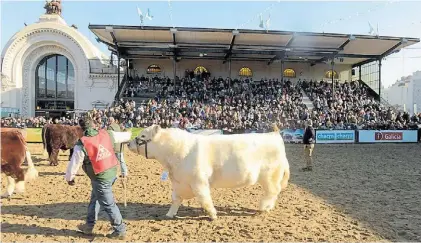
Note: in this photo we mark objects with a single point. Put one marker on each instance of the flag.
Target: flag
(148, 15)
(140, 15)
(261, 21)
(371, 31)
(267, 23)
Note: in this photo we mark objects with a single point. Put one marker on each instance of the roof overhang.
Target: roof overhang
(135, 42)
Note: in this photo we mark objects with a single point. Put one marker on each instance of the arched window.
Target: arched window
(245, 72)
(328, 74)
(200, 70)
(289, 73)
(54, 84)
(153, 69)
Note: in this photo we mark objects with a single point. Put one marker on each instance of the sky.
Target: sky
(394, 18)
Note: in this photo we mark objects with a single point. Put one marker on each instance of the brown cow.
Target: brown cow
(13, 153)
(56, 137)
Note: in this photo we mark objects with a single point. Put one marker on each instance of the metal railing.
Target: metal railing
(104, 66)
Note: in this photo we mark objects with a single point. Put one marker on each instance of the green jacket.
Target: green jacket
(116, 128)
(107, 175)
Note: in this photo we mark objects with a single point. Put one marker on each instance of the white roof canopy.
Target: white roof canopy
(133, 42)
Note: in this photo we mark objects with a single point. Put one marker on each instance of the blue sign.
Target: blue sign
(335, 136)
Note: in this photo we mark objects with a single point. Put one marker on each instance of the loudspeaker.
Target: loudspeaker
(353, 72)
(130, 65)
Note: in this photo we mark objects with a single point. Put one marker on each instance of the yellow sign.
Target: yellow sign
(34, 135)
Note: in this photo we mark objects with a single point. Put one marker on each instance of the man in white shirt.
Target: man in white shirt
(95, 153)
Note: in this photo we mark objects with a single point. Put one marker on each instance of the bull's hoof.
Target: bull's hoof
(6, 196)
(213, 217)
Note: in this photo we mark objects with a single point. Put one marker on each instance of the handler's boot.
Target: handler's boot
(308, 168)
(86, 229)
(116, 235)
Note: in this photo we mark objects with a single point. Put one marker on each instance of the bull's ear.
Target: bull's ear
(155, 130)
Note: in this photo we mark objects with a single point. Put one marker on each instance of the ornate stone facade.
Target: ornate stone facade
(51, 35)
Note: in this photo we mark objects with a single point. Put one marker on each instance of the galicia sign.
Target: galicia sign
(388, 136)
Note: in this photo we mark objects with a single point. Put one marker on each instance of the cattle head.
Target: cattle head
(139, 145)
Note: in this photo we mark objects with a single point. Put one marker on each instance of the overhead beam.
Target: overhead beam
(344, 44)
(174, 42)
(291, 40)
(392, 49)
(364, 62)
(229, 52)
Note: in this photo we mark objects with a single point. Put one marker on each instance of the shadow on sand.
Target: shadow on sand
(133, 211)
(375, 184)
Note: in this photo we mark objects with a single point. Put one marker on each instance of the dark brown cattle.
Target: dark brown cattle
(56, 137)
(13, 153)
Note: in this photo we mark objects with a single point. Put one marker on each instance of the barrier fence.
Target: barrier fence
(33, 135)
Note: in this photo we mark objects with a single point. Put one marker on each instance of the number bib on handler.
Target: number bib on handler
(100, 151)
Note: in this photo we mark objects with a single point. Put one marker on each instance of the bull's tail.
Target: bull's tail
(44, 141)
(31, 173)
(285, 178)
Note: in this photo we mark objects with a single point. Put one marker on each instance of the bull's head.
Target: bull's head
(139, 145)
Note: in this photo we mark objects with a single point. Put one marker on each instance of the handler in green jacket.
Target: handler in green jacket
(95, 153)
(118, 148)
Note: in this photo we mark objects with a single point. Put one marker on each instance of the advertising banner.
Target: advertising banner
(388, 136)
(335, 136)
(292, 135)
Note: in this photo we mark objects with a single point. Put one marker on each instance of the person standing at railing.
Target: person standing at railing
(308, 141)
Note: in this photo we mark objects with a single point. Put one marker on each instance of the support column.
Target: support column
(333, 76)
(175, 69)
(229, 70)
(282, 72)
(359, 72)
(127, 68)
(118, 69)
(380, 80)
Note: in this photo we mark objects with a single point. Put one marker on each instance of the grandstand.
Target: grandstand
(256, 54)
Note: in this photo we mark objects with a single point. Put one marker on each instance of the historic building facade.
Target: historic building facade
(51, 67)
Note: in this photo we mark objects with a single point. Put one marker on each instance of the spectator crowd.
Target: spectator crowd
(241, 105)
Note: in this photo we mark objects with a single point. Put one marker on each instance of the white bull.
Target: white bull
(197, 163)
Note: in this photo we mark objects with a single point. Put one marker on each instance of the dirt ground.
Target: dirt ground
(355, 193)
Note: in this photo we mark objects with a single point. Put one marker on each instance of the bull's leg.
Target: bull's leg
(176, 203)
(54, 156)
(20, 185)
(271, 183)
(202, 192)
(10, 187)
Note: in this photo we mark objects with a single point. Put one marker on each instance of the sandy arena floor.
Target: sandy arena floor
(356, 193)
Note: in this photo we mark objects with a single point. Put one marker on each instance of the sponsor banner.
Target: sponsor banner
(335, 136)
(388, 136)
(33, 135)
(292, 135)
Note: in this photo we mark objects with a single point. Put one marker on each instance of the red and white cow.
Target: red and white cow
(13, 153)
